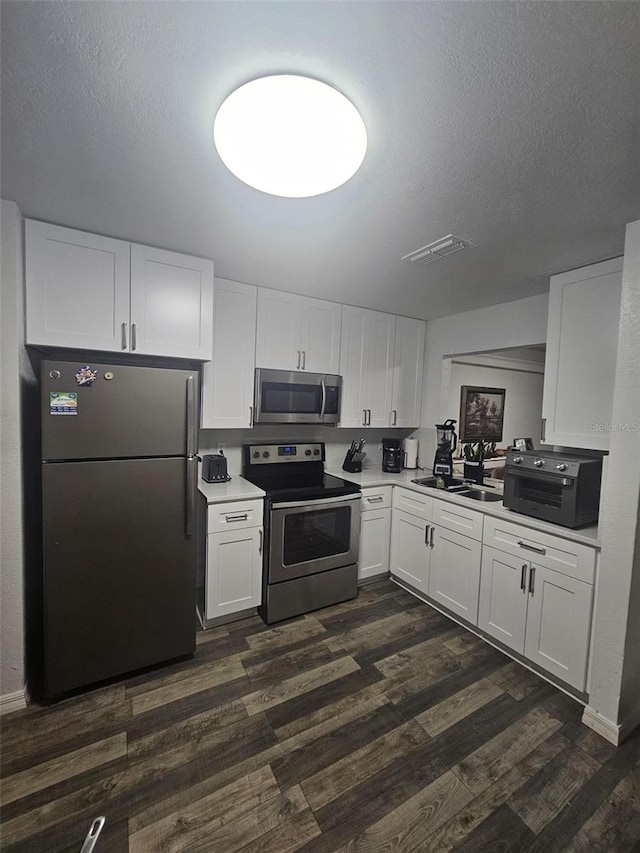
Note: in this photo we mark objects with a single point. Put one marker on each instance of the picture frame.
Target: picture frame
(481, 413)
(523, 444)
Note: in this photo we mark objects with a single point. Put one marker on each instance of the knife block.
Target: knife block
(353, 461)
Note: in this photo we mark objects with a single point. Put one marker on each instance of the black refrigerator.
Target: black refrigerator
(119, 479)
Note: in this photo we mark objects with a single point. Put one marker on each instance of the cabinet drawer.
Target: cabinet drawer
(458, 518)
(413, 502)
(379, 498)
(234, 515)
(570, 558)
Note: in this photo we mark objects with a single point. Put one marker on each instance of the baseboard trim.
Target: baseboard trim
(610, 731)
(12, 702)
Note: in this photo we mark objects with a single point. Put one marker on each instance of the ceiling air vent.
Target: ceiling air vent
(436, 250)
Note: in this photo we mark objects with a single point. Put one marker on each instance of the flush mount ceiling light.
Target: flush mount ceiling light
(290, 136)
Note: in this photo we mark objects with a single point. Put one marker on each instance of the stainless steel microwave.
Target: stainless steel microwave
(296, 397)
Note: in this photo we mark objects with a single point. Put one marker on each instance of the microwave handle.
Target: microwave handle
(324, 397)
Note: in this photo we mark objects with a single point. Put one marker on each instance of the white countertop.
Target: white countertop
(236, 489)
(375, 477)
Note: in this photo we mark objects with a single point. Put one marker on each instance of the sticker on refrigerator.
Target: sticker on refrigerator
(85, 376)
(61, 403)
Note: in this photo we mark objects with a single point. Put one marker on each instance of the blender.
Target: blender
(446, 443)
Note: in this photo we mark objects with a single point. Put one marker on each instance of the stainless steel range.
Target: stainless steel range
(312, 529)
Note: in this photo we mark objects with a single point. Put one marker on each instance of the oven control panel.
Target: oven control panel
(548, 461)
(270, 454)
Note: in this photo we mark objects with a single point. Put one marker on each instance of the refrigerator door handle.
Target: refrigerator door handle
(192, 472)
(192, 426)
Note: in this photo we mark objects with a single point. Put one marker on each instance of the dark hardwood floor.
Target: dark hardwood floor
(373, 725)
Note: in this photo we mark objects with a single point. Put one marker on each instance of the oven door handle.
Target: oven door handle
(318, 502)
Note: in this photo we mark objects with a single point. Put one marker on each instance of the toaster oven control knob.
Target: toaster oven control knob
(265, 454)
(538, 463)
(561, 467)
(517, 459)
(256, 454)
(307, 452)
(316, 452)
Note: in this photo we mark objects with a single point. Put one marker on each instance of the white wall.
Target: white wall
(11, 541)
(510, 324)
(523, 397)
(614, 693)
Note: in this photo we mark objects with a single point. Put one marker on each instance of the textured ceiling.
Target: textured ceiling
(511, 124)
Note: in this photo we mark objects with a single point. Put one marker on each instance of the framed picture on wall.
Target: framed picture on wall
(481, 413)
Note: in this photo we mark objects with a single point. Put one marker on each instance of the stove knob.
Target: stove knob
(517, 459)
(538, 463)
(265, 454)
(316, 452)
(307, 452)
(561, 467)
(256, 454)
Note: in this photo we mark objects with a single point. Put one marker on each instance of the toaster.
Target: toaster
(214, 469)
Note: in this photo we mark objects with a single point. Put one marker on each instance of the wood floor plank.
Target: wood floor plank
(71, 764)
(263, 669)
(480, 769)
(502, 830)
(615, 825)
(440, 717)
(459, 641)
(283, 635)
(286, 837)
(261, 700)
(538, 803)
(408, 826)
(516, 680)
(331, 782)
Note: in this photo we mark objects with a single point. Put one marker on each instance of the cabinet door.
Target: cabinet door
(558, 624)
(278, 330)
(353, 354)
(234, 570)
(379, 367)
(320, 338)
(502, 611)
(454, 574)
(171, 304)
(407, 372)
(227, 381)
(77, 288)
(375, 535)
(410, 554)
(582, 340)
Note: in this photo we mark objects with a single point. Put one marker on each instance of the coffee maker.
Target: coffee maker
(392, 455)
(446, 443)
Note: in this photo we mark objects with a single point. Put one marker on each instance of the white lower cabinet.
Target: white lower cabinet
(410, 553)
(375, 533)
(233, 576)
(454, 577)
(538, 606)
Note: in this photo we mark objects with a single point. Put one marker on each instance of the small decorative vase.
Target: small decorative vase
(474, 472)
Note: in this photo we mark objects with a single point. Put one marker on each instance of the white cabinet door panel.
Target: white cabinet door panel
(409, 550)
(379, 368)
(320, 339)
(353, 354)
(502, 609)
(454, 573)
(278, 330)
(77, 291)
(227, 380)
(407, 372)
(375, 535)
(558, 625)
(171, 304)
(234, 567)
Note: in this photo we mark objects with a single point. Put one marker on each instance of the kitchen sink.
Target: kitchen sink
(480, 495)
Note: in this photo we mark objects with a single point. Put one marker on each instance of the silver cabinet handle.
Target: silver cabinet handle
(304, 358)
(395, 417)
(543, 430)
(124, 336)
(261, 540)
(298, 364)
(242, 516)
(134, 336)
(532, 548)
(376, 500)
(369, 417)
(364, 417)
(431, 537)
(250, 415)
(426, 535)
(523, 577)
(532, 577)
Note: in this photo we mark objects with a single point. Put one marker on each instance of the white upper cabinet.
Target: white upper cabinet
(91, 292)
(297, 332)
(77, 291)
(171, 304)
(582, 338)
(227, 381)
(406, 402)
(381, 362)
